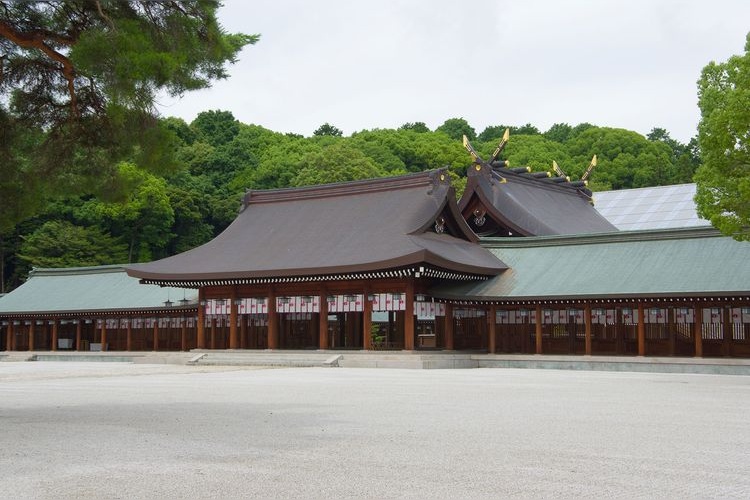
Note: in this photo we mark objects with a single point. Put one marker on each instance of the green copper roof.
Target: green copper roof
(84, 289)
(675, 262)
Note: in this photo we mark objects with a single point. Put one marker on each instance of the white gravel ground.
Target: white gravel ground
(106, 430)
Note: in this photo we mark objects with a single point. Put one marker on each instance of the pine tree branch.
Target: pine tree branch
(39, 39)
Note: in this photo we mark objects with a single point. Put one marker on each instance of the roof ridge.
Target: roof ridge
(49, 271)
(665, 186)
(425, 178)
(544, 182)
(528, 177)
(660, 234)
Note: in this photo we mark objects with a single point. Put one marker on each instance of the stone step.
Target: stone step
(417, 362)
(15, 356)
(262, 358)
(82, 358)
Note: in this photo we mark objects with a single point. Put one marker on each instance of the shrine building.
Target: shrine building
(522, 263)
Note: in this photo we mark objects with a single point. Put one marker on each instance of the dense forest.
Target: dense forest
(152, 214)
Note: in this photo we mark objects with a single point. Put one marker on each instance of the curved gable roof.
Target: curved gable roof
(531, 206)
(350, 227)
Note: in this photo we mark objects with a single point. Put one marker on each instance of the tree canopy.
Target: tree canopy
(456, 128)
(78, 80)
(723, 180)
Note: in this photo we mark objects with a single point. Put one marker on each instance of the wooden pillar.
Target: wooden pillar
(587, 327)
(366, 321)
(104, 334)
(53, 347)
(79, 331)
(156, 334)
(129, 335)
(698, 330)
(273, 321)
(213, 332)
(641, 330)
(323, 326)
(183, 335)
(233, 310)
(31, 335)
(201, 325)
(252, 333)
(671, 331)
(243, 331)
(9, 344)
(538, 313)
(728, 328)
(449, 345)
(409, 316)
(492, 329)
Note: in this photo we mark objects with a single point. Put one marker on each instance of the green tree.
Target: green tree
(492, 133)
(215, 127)
(328, 130)
(179, 128)
(190, 228)
(337, 163)
(79, 81)
(456, 128)
(559, 132)
(415, 126)
(685, 158)
(723, 181)
(495, 132)
(62, 244)
(626, 158)
(144, 219)
(280, 160)
(534, 151)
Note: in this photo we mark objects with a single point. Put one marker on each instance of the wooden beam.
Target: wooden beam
(409, 316)
(698, 330)
(104, 334)
(449, 341)
(538, 313)
(201, 326)
(641, 330)
(587, 327)
(492, 329)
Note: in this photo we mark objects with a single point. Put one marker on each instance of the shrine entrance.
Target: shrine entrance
(344, 330)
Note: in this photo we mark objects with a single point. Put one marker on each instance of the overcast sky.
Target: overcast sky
(378, 64)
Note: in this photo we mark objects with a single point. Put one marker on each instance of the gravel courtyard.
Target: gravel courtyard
(110, 430)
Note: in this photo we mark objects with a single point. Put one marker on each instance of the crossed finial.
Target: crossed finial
(585, 175)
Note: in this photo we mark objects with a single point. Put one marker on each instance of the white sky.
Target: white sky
(378, 64)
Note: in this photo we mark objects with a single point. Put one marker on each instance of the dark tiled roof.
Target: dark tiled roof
(351, 227)
(531, 205)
